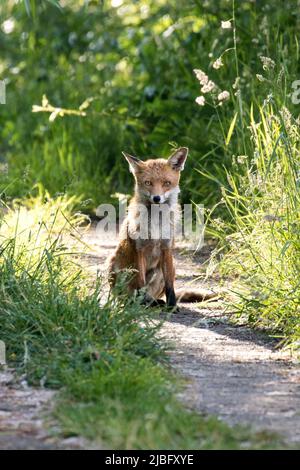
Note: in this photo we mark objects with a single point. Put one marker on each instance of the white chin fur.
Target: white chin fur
(172, 195)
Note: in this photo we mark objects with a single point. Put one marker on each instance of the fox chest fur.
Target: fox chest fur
(151, 228)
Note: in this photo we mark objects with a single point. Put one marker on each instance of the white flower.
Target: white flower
(208, 87)
(260, 77)
(200, 100)
(201, 76)
(8, 26)
(226, 24)
(236, 83)
(267, 62)
(223, 96)
(241, 159)
(218, 63)
(14, 70)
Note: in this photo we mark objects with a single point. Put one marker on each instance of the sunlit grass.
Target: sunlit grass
(263, 201)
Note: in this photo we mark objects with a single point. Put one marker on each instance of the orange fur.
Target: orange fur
(152, 258)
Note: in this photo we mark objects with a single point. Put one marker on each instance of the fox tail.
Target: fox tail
(195, 295)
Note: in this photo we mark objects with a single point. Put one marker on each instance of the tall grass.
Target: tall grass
(263, 248)
(259, 227)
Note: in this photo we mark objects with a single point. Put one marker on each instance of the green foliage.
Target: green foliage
(30, 6)
(135, 61)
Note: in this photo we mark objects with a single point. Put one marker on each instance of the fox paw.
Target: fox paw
(173, 308)
(151, 302)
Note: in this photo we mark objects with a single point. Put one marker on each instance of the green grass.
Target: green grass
(260, 239)
(108, 362)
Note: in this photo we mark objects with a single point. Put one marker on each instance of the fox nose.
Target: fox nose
(156, 199)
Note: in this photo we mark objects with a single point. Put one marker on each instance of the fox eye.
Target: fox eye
(167, 183)
(148, 183)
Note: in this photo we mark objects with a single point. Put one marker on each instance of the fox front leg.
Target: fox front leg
(141, 269)
(169, 276)
(140, 281)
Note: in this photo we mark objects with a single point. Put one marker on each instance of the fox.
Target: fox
(151, 257)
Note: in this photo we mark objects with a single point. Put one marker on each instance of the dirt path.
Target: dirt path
(233, 372)
(23, 412)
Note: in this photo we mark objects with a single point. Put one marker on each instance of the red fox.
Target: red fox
(151, 256)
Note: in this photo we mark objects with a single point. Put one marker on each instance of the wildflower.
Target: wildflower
(264, 26)
(8, 26)
(280, 75)
(226, 24)
(218, 63)
(260, 77)
(208, 87)
(201, 76)
(218, 222)
(241, 159)
(267, 62)
(286, 117)
(4, 168)
(223, 96)
(236, 83)
(15, 70)
(200, 100)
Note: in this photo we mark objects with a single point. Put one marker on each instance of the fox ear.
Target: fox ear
(178, 158)
(134, 163)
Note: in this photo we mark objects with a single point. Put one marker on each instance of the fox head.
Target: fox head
(157, 180)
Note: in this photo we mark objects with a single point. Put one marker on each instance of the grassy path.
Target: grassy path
(233, 372)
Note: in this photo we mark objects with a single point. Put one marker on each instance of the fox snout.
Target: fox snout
(156, 199)
(158, 195)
